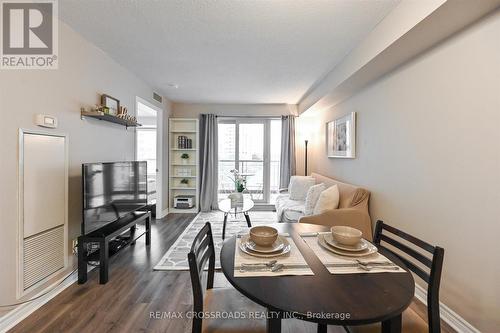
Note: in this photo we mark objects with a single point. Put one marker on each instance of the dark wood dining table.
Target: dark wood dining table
(325, 298)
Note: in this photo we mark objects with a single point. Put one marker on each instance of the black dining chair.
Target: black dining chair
(217, 300)
(427, 255)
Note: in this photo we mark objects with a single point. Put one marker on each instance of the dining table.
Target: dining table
(324, 298)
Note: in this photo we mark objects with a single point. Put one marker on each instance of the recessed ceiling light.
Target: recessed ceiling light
(173, 85)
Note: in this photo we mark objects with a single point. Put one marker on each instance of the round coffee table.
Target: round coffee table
(239, 208)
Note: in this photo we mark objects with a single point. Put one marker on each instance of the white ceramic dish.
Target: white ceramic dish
(244, 240)
(278, 245)
(362, 245)
(369, 250)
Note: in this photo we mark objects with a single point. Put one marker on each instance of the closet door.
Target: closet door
(43, 182)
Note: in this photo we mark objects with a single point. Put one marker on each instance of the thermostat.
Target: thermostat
(44, 120)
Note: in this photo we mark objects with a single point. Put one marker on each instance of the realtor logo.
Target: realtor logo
(29, 34)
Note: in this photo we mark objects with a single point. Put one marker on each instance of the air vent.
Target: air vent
(43, 255)
(157, 97)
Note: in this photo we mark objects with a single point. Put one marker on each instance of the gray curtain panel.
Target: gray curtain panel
(287, 165)
(208, 162)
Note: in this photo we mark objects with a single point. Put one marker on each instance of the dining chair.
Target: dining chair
(217, 300)
(427, 255)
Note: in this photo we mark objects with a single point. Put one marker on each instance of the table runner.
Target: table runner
(294, 257)
(330, 258)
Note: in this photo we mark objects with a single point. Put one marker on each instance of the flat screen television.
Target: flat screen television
(112, 191)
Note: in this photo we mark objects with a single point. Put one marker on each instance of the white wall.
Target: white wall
(187, 110)
(84, 73)
(428, 146)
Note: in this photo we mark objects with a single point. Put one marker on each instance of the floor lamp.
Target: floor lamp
(305, 166)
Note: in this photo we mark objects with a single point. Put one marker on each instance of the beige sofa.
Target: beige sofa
(352, 210)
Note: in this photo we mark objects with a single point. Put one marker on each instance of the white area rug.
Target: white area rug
(176, 256)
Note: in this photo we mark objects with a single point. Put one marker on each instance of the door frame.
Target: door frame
(161, 210)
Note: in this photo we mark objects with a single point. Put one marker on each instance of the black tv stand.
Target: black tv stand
(110, 242)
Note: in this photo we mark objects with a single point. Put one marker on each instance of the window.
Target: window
(253, 147)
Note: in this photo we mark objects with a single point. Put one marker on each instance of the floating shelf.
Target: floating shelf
(110, 118)
(173, 176)
(176, 164)
(190, 149)
(184, 131)
(183, 188)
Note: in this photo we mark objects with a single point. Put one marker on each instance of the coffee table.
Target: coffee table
(240, 208)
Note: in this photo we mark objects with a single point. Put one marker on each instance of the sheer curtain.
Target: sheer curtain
(287, 165)
(208, 162)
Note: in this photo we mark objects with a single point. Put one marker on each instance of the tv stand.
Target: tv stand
(110, 243)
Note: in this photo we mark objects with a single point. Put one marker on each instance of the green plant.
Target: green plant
(184, 181)
(240, 183)
(185, 156)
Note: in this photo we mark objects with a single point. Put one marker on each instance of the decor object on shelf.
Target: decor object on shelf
(184, 201)
(111, 103)
(183, 172)
(185, 158)
(341, 137)
(184, 182)
(183, 142)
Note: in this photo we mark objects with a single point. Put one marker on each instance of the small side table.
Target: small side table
(242, 208)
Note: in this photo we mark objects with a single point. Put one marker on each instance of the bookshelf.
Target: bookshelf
(183, 140)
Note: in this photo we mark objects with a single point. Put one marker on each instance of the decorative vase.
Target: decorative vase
(236, 198)
(185, 161)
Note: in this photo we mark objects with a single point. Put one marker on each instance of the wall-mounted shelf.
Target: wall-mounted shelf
(110, 118)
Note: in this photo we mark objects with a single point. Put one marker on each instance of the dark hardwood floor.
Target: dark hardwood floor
(134, 291)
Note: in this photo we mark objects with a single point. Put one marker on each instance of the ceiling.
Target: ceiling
(227, 51)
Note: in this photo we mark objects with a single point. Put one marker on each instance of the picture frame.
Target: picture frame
(341, 137)
(111, 103)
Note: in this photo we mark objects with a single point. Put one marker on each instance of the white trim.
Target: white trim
(453, 319)
(163, 213)
(19, 313)
(175, 244)
(159, 150)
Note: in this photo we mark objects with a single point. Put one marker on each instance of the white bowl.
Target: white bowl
(346, 235)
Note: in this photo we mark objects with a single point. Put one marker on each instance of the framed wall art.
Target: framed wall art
(341, 137)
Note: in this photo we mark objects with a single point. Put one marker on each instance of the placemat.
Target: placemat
(337, 264)
(294, 263)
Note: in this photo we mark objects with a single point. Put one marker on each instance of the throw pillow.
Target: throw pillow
(328, 199)
(312, 198)
(299, 185)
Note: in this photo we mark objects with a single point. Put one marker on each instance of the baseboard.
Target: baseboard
(19, 313)
(163, 213)
(453, 319)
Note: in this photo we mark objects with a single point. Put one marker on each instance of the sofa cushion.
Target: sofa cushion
(312, 198)
(291, 208)
(328, 199)
(298, 187)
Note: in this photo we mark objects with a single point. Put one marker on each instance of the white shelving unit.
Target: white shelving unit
(180, 169)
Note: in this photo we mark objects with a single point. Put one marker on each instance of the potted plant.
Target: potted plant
(185, 158)
(184, 182)
(240, 184)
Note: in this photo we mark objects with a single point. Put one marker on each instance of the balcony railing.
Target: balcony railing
(255, 181)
